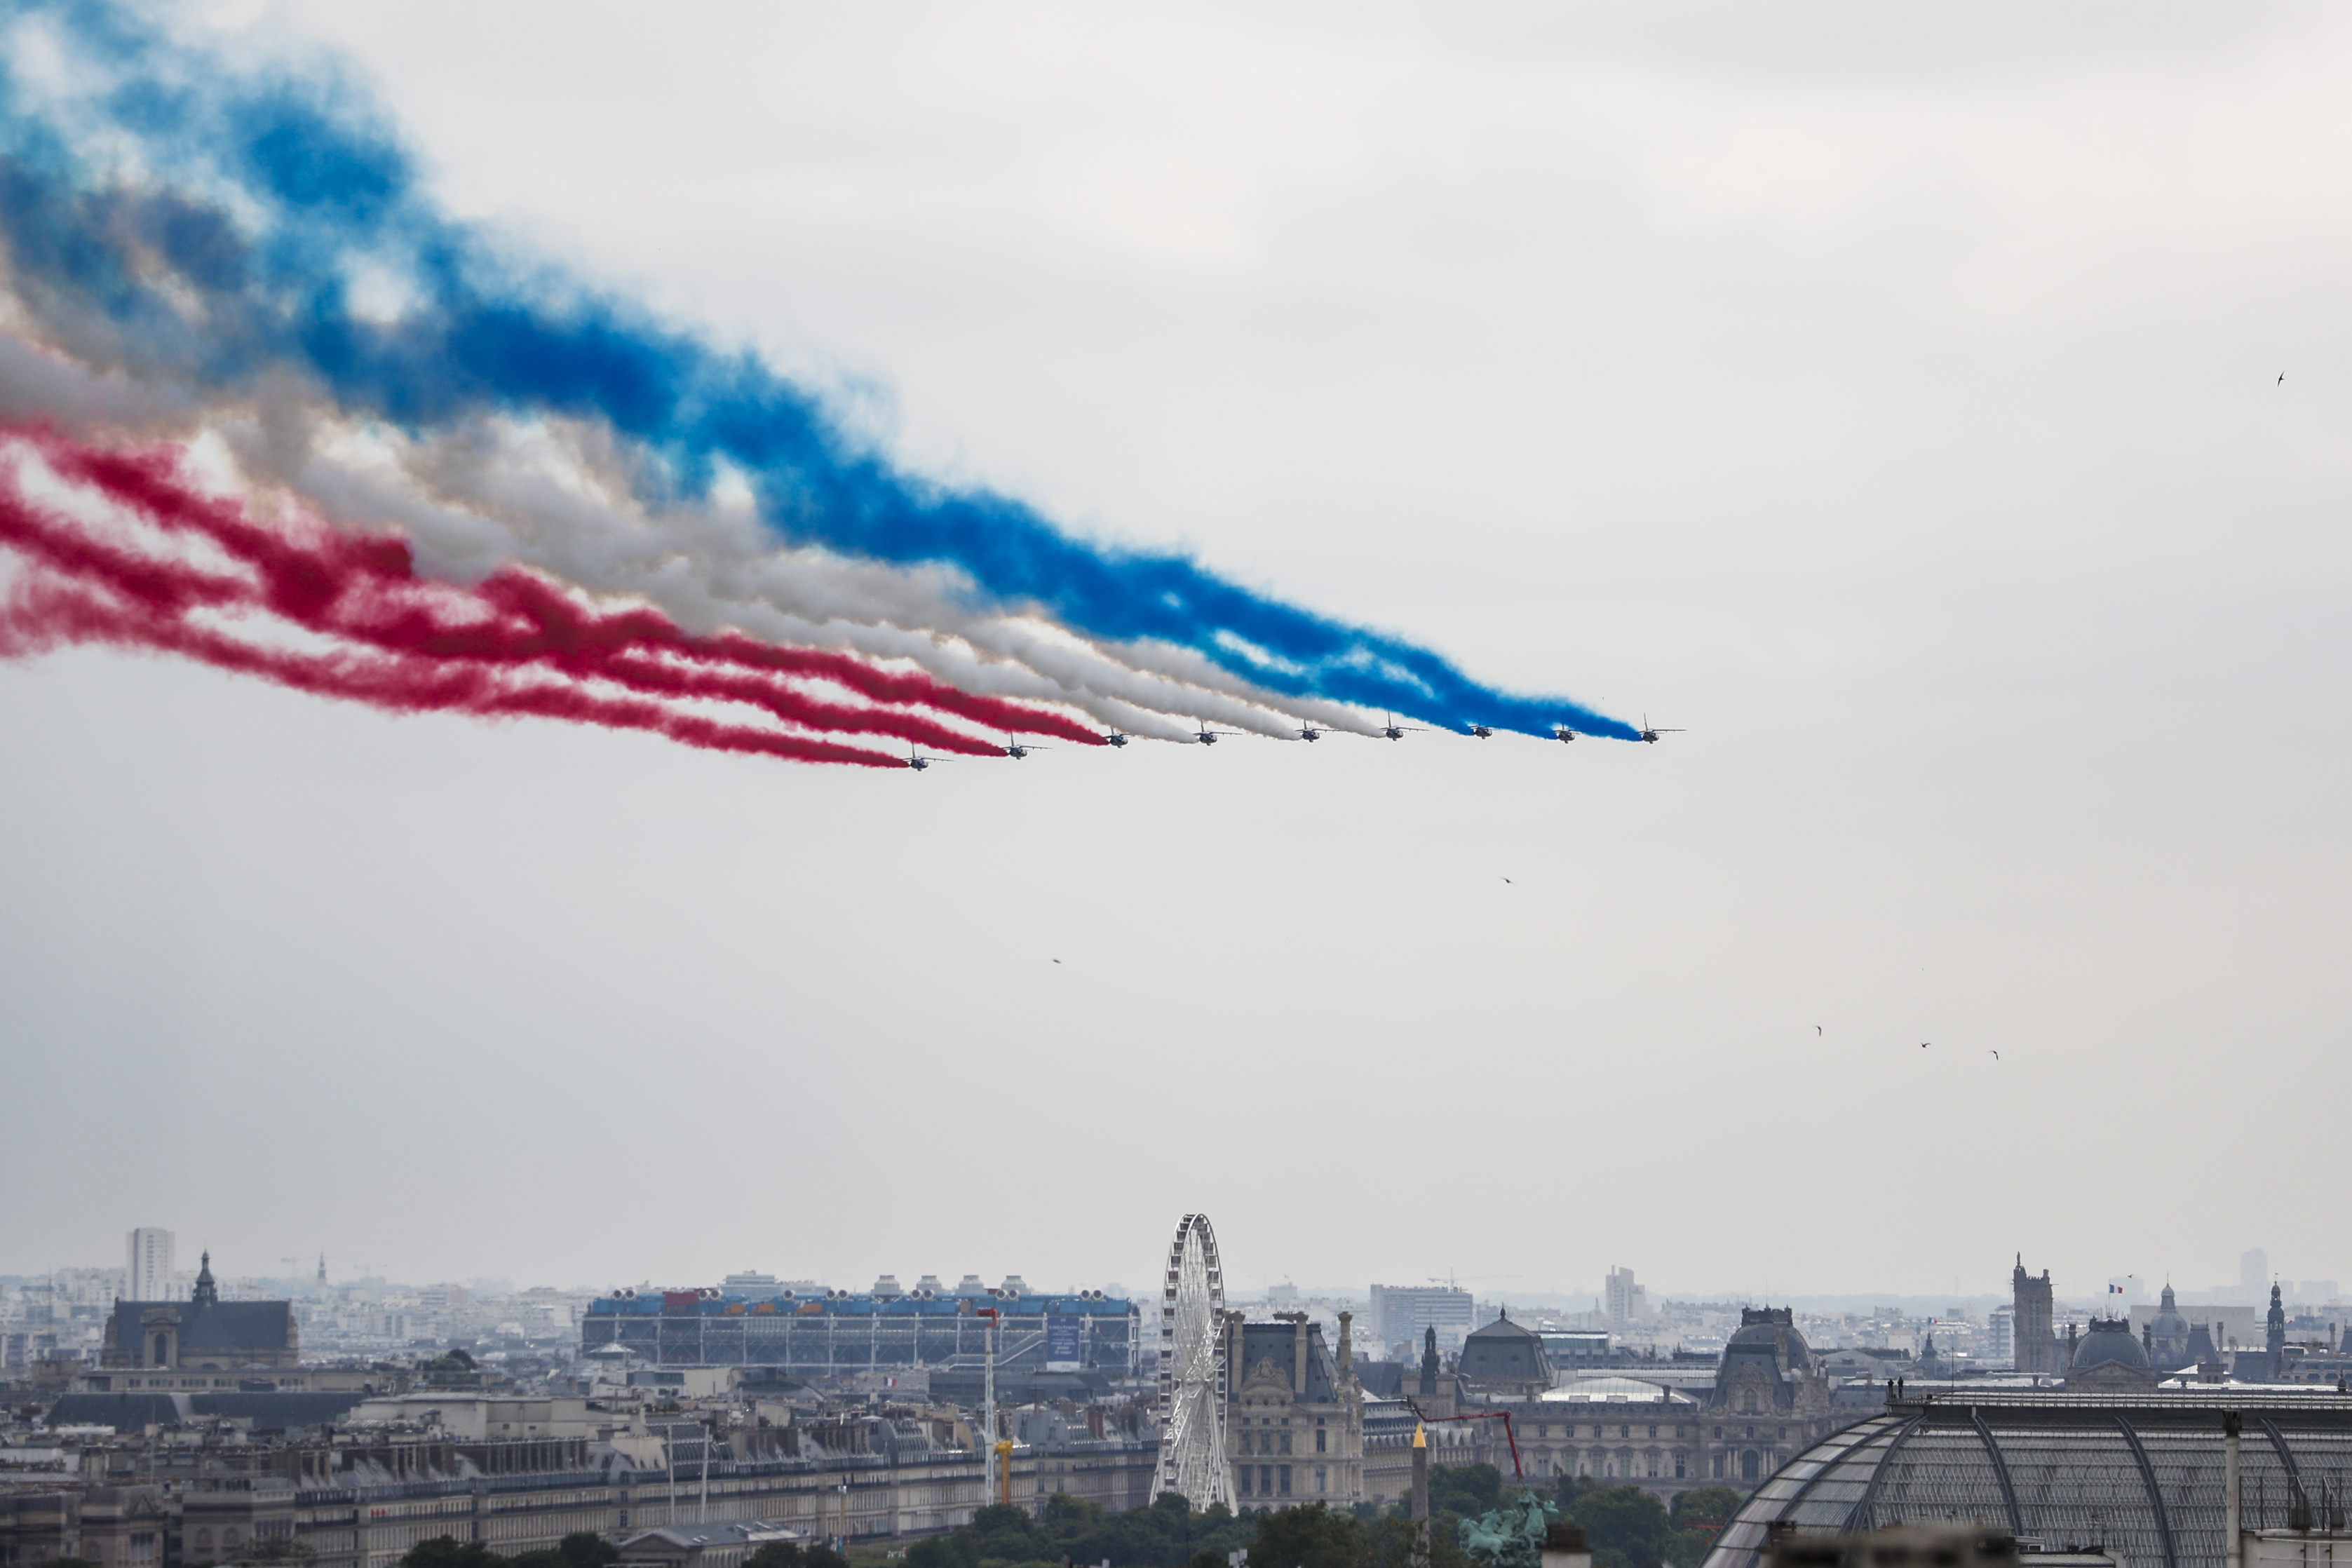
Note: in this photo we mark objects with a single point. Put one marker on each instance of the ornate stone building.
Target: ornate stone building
(202, 1333)
(1294, 1414)
(1770, 1399)
(2109, 1360)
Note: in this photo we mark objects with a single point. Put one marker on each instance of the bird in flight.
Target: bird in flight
(1507, 879)
(1817, 1028)
(1996, 1054)
(1057, 961)
(2281, 380)
(1923, 1045)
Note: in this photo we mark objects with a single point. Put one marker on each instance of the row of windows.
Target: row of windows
(1274, 1480)
(1266, 1442)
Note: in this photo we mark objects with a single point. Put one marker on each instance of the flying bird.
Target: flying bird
(1507, 879)
(1923, 1045)
(1817, 1028)
(2281, 380)
(1996, 1054)
(1057, 961)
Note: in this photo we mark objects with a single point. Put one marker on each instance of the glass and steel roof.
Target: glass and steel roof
(2141, 1475)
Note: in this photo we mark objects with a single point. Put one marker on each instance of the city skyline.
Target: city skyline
(2086, 1290)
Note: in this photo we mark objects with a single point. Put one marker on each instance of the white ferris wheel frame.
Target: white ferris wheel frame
(1193, 1369)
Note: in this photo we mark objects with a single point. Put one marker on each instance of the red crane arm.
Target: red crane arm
(1503, 1416)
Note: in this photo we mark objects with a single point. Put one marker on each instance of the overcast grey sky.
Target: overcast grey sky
(1886, 394)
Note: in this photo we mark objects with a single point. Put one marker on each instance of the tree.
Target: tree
(443, 1552)
(1627, 1527)
(1308, 1537)
(1699, 1516)
(795, 1554)
(1465, 1489)
(1706, 1508)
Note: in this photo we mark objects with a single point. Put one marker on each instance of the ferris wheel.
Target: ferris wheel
(1193, 1369)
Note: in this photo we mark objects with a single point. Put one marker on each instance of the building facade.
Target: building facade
(839, 1333)
(2034, 1342)
(202, 1333)
(526, 1497)
(1770, 1399)
(1401, 1314)
(147, 1265)
(1626, 1301)
(1294, 1414)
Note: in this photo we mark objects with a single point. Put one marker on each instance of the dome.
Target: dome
(2142, 1474)
(2109, 1343)
(1771, 1330)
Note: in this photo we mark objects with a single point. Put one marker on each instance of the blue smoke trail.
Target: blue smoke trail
(336, 191)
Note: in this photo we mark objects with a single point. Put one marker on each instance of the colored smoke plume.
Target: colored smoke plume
(512, 645)
(223, 268)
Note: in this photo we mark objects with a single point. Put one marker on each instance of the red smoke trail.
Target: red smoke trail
(356, 582)
(46, 612)
(429, 647)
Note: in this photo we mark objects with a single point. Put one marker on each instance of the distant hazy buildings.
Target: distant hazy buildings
(1626, 1302)
(1294, 1414)
(1400, 1313)
(147, 1269)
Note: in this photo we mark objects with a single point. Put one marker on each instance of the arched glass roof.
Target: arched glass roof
(2142, 1475)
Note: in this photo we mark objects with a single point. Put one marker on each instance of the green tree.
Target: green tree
(1706, 1508)
(790, 1554)
(1628, 1528)
(1465, 1489)
(444, 1552)
(1699, 1516)
(587, 1549)
(1308, 1537)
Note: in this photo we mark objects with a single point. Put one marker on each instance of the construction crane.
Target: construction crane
(1517, 1474)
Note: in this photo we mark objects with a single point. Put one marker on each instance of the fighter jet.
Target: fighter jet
(1650, 734)
(1481, 730)
(1015, 750)
(1309, 733)
(1563, 732)
(1394, 730)
(1114, 738)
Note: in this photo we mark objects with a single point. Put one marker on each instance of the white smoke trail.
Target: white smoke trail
(555, 497)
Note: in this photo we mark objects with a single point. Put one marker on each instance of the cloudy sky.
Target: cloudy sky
(1886, 395)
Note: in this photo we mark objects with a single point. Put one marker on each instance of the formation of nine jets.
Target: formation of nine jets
(1393, 731)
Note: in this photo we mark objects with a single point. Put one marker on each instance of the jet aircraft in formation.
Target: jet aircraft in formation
(1390, 729)
(1015, 748)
